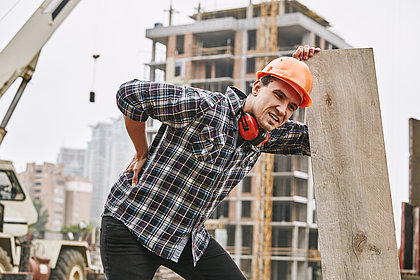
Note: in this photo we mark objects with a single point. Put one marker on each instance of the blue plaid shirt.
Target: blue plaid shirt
(192, 165)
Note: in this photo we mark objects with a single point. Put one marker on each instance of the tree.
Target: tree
(76, 231)
(40, 225)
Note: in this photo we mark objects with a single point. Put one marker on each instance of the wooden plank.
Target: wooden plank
(414, 146)
(352, 191)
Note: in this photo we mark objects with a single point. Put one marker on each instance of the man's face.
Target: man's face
(274, 103)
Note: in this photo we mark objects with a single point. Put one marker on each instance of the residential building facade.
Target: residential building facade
(108, 153)
(46, 182)
(78, 200)
(97, 167)
(73, 161)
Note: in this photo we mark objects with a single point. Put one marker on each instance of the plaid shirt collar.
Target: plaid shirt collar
(236, 99)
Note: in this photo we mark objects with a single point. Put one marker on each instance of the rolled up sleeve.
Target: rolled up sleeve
(170, 104)
(292, 138)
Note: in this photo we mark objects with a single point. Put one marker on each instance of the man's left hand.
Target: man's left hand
(305, 52)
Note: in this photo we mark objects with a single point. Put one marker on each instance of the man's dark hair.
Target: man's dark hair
(267, 79)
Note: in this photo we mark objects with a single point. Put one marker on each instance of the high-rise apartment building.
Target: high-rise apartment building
(78, 200)
(223, 48)
(73, 161)
(46, 182)
(108, 154)
(97, 167)
(66, 198)
(121, 149)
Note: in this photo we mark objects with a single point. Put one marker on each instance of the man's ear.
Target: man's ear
(256, 87)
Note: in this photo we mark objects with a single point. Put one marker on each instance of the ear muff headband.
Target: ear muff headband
(250, 131)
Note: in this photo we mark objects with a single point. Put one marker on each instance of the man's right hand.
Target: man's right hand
(305, 52)
(137, 132)
(134, 166)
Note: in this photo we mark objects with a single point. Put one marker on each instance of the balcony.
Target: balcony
(311, 254)
(201, 51)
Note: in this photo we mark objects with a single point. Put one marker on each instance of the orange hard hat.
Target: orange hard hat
(294, 72)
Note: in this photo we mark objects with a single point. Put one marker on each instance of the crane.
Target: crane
(264, 202)
(19, 58)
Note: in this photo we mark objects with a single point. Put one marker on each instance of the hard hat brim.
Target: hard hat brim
(306, 99)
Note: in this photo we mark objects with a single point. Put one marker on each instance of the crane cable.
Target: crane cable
(96, 55)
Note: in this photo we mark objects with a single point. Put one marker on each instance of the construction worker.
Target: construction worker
(155, 213)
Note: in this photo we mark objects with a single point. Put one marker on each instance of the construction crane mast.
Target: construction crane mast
(264, 198)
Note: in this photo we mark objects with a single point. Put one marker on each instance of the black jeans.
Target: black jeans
(123, 257)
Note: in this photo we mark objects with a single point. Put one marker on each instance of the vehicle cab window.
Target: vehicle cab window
(9, 186)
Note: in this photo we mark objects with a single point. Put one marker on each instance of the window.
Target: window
(230, 229)
(179, 69)
(246, 209)
(250, 65)
(208, 69)
(252, 39)
(300, 210)
(249, 86)
(317, 41)
(246, 184)
(282, 163)
(281, 211)
(9, 186)
(302, 187)
(221, 210)
(180, 44)
(281, 237)
(282, 186)
(224, 68)
(247, 235)
(58, 199)
(58, 191)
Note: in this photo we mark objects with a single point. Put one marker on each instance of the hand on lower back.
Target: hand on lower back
(134, 166)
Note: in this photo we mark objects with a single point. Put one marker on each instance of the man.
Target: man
(208, 142)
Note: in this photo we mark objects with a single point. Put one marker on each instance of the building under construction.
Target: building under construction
(227, 47)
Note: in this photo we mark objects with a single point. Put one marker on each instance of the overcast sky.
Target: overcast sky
(55, 111)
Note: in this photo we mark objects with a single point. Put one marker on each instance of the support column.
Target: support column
(308, 39)
(295, 240)
(238, 227)
(250, 10)
(310, 197)
(282, 7)
(293, 271)
(152, 68)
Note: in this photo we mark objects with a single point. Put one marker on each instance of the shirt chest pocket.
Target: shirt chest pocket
(208, 145)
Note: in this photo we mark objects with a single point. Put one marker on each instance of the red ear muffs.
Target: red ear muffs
(250, 131)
